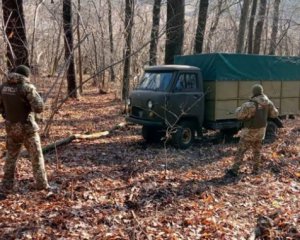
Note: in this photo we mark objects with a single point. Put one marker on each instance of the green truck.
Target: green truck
(202, 92)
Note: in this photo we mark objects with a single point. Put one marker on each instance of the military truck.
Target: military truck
(202, 92)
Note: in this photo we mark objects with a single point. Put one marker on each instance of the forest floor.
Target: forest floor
(119, 187)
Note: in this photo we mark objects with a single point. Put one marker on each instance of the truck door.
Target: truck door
(186, 98)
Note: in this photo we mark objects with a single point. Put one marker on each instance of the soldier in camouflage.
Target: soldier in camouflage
(254, 114)
(19, 101)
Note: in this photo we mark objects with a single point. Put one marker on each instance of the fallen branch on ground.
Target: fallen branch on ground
(71, 138)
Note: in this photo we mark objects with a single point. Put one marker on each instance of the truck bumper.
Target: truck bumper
(144, 122)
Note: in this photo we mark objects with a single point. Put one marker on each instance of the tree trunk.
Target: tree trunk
(69, 54)
(129, 11)
(58, 52)
(251, 26)
(97, 77)
(79, 48)
(273, 42)
(175, 29)
(36, 12)
(15, 33)
(242, 27)
(154, 32)
(214, 25)
(202, 17)
(111, 41)
(259, 26)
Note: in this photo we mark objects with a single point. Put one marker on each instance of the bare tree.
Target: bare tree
(175, 29)
(69, 54)
(129, 12)
(79, 47)
(111, 40)
(214, 25)
(15, 30)
(259, 26)
(154, 32)
(202, 17)
(273, 42)
(242, 27)
(251, 26)
(36, 13)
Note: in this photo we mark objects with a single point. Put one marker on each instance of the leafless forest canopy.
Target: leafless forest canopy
(44, 30)
(110, 183)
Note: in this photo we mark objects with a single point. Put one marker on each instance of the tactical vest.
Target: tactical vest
(16, 106)
(260, 118)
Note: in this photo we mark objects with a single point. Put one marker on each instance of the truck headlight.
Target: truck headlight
(150, 104)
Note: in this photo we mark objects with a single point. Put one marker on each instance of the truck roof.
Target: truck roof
(171, 67)
(243, 67)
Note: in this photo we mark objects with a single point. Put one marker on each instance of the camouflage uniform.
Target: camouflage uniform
(254, 114)
(19, 101)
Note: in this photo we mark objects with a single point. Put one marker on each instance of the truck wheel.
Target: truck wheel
(229, 131)
(227, 134)
(271, 131)
(152, 134)
(184, 135)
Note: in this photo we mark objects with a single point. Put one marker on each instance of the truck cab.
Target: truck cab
(169, 101)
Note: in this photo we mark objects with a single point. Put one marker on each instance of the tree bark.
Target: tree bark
(175, 30)
(273, 43)
(69, 54)
(251, 26)
(154, 32)
(259, 26)
(214, 25)
(242, 27)
(129, 11)
(202, 17)
(79, 47)
(111, 41)
(15, 33)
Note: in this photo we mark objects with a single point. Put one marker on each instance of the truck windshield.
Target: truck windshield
(158, 81)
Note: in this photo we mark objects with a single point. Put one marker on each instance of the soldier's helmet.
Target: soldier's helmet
(23, 70)
(257, 90)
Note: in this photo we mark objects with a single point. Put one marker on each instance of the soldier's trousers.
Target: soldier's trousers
(243, 147)
(32, 142)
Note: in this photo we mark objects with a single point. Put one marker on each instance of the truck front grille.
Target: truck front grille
(139, 112)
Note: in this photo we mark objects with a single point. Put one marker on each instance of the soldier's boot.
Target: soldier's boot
(7, 183)
(40, 178)
(6, 186)
(234, 170)
(13, 150)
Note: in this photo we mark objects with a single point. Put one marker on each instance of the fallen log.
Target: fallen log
(71, 138)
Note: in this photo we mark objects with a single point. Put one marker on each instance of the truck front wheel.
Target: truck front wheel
(184, 135)
(152, 134)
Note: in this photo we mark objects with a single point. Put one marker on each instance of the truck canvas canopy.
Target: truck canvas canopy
(228, 66)
(228, 79)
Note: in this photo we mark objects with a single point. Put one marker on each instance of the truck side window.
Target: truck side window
(191, 82)
(186, 82)
(180, 84)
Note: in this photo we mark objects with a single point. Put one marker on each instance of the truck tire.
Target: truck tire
(227, 134)
(152, 134)
(184, 135)
(271, 131)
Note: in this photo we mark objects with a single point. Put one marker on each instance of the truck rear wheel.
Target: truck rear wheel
(271, 131)
(227, 134)
(184, 135)
(152, 134)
